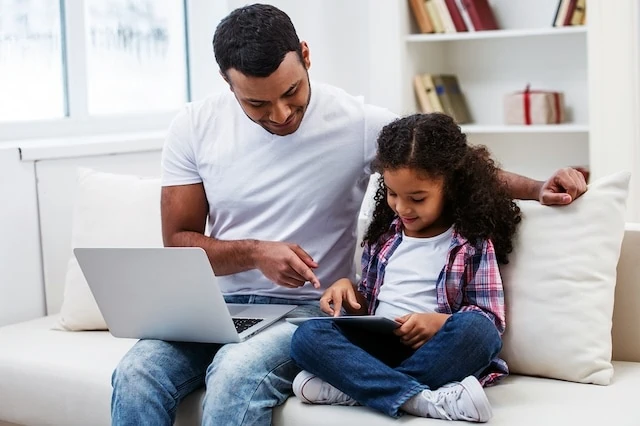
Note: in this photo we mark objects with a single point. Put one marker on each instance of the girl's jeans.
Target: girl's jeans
(378, 371)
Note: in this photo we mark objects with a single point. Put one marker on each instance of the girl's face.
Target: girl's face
(418, 200)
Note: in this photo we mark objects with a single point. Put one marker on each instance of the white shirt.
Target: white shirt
(304, 188)
(411, 275)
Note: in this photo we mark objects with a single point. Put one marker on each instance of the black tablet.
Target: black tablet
(369, 322)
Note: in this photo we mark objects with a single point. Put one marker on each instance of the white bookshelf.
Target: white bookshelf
(489, 64)
(470, 129)
(503, 33)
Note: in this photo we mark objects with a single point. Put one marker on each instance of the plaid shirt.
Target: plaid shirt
(470, 281)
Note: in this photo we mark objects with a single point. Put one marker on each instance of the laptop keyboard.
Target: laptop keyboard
(243, 323)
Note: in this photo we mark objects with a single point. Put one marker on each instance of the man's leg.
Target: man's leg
(152, 379)
(246, 380)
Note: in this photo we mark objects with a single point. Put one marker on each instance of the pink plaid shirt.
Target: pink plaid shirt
(470, 281)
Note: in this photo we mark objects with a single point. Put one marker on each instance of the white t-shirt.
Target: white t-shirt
(411, 275)
(304, 188)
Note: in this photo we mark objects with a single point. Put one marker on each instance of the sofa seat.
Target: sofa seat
(50, 377)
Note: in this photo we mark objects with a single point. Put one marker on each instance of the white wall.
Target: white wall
(21, 285)
(614, 88)
(337, 33)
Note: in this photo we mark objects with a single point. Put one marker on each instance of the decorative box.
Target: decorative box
(534, 107)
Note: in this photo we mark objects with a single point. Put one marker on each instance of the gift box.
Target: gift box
(534, 107)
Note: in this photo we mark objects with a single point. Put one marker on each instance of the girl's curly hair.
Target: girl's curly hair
(476, 200)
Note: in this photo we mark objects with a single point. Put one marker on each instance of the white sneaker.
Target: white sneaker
(312, 389)
(464, 400)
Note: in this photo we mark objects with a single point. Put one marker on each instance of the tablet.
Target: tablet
(368, 322)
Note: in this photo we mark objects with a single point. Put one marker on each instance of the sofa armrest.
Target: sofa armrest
(626, 313)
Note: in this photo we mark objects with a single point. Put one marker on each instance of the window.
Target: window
(90, 67)
(136, 56)
(31, 72)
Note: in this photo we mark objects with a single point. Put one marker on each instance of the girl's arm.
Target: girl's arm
(483, 290)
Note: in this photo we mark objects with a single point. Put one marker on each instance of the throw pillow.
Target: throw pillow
(560, 282)
(110, 210)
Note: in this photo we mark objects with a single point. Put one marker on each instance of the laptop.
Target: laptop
(168, 294)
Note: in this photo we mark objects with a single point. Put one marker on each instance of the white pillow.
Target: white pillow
(110, 210)
(560, 282)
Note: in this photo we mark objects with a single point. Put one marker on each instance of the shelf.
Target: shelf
(481, 35)
(506, 129)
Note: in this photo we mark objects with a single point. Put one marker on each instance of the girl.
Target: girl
(442, 221)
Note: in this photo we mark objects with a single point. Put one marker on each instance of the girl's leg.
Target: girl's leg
(460, 352)
(465, 346)
(354, 362)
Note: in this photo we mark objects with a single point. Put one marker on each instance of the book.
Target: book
(570, 9)
(456, 17)
(561, 15)
(555, 17)
(443, 96)
(421, 94)
(578, 12)
(434, 15)
(430, 87)
(481, 14)
(465, 15)
(458, 102)
(421, 16)
(445, 16)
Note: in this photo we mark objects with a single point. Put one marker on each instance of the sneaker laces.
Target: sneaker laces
(445, 402)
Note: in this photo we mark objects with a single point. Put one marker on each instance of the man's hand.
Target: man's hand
(340, 293)
(563, 187)
(285, 264)
(417, 329)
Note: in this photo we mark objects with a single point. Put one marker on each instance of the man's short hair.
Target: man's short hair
(254, 40)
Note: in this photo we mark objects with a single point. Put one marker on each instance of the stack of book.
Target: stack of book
(570, 12)
(452, 16)
(441, 93)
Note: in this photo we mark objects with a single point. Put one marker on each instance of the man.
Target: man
(278, 167)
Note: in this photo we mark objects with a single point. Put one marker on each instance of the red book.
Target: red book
(570, 9)
(481, 14)
(456, 17)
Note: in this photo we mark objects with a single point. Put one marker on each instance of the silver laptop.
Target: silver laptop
(168, 294)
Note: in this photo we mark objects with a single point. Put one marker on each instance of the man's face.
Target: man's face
(277, 102)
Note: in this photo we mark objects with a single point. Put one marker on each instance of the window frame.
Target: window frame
(202, 78)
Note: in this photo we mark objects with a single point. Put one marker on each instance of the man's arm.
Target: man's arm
(184, 213)
(562, 188)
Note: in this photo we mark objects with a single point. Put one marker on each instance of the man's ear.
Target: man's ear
(306, 56)
(224, 76)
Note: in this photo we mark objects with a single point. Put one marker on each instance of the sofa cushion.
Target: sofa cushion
(58, 378)
(111, 210)
(560, 283)
(518, 400)
(51, 377)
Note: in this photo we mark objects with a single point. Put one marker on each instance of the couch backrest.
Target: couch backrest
(626, 313)
(55, 187)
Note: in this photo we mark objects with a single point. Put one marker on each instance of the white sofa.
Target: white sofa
(50, 377)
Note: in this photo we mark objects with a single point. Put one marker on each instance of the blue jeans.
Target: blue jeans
(154, 376)
(378, 371)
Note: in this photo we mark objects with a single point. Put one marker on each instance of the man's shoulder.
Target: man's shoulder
(197, 116)
(220, 103)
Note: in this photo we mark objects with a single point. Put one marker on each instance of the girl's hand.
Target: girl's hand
(418, 328)
(340, 293)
